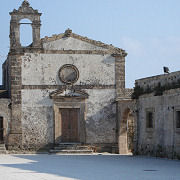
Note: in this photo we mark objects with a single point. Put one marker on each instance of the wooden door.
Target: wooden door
(70, 130)
(1, 129)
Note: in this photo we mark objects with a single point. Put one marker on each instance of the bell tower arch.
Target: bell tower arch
(24, 12)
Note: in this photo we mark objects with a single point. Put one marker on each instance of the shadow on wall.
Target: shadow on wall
(101, 126)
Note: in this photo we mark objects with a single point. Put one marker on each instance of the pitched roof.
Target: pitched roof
(68, 33)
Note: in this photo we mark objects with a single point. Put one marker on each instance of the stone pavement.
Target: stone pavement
(87, 167)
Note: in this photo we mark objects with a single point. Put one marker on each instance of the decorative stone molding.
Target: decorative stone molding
(70, 92)
(68, 74)
(25, 8)
(68, 33)
(64, 86)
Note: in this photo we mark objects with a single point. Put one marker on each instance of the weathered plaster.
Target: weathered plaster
(69, 43)
(42, 69)
(101, 116)
(38, 117)
(163, 139)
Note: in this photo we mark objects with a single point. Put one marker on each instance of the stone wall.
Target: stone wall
(38, 117)
(163, 138)
(15, 136)
(101, 116)
(42, 69)
(40, 78)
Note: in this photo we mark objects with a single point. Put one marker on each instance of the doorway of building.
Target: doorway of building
(1, 130)
(127, 130)
(130, 133)
(70, 125)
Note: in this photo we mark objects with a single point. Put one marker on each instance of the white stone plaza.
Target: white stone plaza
(87, 167)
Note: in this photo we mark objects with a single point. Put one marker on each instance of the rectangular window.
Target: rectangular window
(149, 119)
(177, 119)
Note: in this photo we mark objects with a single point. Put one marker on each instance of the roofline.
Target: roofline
(157, 76)
(68, 33)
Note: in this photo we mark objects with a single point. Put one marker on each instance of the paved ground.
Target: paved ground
(87, 167)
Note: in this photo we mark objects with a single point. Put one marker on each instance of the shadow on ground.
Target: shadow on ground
(99, 167)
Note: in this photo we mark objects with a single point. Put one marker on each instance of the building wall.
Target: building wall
(40, 78)
(38, 117)
(42, 69)
(164, 138)
(101, 116)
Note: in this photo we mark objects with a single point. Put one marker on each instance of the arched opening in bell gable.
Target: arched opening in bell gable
(25, 32)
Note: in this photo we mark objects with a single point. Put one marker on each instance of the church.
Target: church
(59, 89)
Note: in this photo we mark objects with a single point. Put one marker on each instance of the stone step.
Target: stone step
(68, 144)
(74, 147)
(71, 151)
(3, 152)
(2, 145)
(2, 149)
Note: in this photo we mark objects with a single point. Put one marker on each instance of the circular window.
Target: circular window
(68, 74)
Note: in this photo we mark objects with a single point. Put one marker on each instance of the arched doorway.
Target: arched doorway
(126, 133)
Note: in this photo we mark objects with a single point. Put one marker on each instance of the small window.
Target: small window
(177, 119)
(149, 119)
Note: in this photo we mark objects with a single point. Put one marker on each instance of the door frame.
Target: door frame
(65, 103)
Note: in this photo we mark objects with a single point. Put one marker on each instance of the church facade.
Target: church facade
(59, 89)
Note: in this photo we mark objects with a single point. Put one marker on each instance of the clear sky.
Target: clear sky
(149, 30)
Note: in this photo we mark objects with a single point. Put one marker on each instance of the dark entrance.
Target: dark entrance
(70, 132)
(1, 129)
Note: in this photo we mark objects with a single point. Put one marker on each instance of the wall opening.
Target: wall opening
(149, 119)
(1, 130)
(177, 119)
(130, 133)
(25, 32)
(127, 131)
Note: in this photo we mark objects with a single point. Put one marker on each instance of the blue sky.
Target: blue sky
(149, 30)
